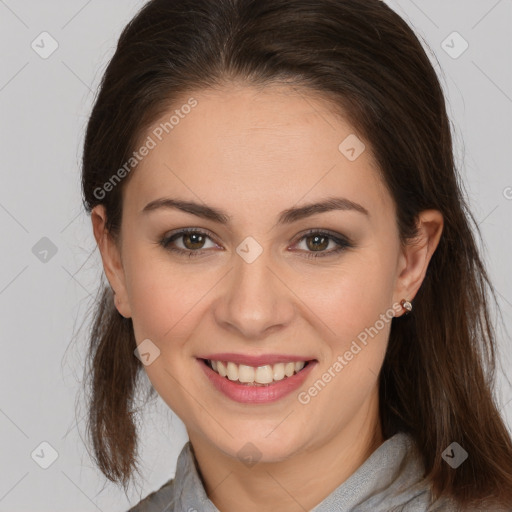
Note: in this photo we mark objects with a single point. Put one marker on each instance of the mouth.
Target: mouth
(257, 376)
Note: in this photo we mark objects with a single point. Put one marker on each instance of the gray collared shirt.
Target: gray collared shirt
(390, 480)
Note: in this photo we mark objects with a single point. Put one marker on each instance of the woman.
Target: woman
(291, 262)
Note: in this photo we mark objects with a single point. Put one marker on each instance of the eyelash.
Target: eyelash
(342, 242)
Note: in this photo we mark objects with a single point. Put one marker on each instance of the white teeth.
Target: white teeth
(232, 371)
(299, 365)
(221, 369)
(289, 368)
(245, 373)
(279, 371)
(261, 375)
(264, 374)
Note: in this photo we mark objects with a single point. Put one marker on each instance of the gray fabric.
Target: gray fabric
(390, 480)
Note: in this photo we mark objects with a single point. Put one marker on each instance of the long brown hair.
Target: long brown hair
(438, 374)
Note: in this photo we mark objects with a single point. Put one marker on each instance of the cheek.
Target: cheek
(356, 306)
(153, 292)
(352, 296)
(166, 299)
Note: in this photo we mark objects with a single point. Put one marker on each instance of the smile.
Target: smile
(260, 375)
(256, 384)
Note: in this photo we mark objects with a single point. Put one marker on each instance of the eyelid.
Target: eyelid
(310, 231)
(190, 230)
(327, 232)
(342, 242)
(183, 231)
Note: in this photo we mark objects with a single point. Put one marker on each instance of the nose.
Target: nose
(254, 300)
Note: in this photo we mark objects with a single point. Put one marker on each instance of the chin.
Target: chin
(261, 444)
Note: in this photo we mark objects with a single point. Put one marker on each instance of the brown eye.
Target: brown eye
(193, 241)
(188, 243)
(317, 242)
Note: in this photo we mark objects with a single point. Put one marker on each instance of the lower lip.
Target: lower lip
(256, 394)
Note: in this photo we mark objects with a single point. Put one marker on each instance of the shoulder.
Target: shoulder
(446, 505)
(183, 492)
(158, 500)
(401, 482)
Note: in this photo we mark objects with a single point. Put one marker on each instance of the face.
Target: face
(260, 284)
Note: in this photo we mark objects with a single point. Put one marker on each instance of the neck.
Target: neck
(303, 480)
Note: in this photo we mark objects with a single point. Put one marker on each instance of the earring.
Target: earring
(406, 305)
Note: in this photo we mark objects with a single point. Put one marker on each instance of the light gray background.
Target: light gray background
(44, 104)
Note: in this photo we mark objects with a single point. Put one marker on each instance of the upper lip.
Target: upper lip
(259, 360)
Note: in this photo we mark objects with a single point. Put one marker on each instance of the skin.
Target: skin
(253, 153)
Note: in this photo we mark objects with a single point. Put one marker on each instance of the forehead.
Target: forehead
(254, 148)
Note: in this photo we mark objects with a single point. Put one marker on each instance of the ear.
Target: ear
(111, 257)
(415, 256)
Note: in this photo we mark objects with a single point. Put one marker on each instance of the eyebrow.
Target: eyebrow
(285, 217)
